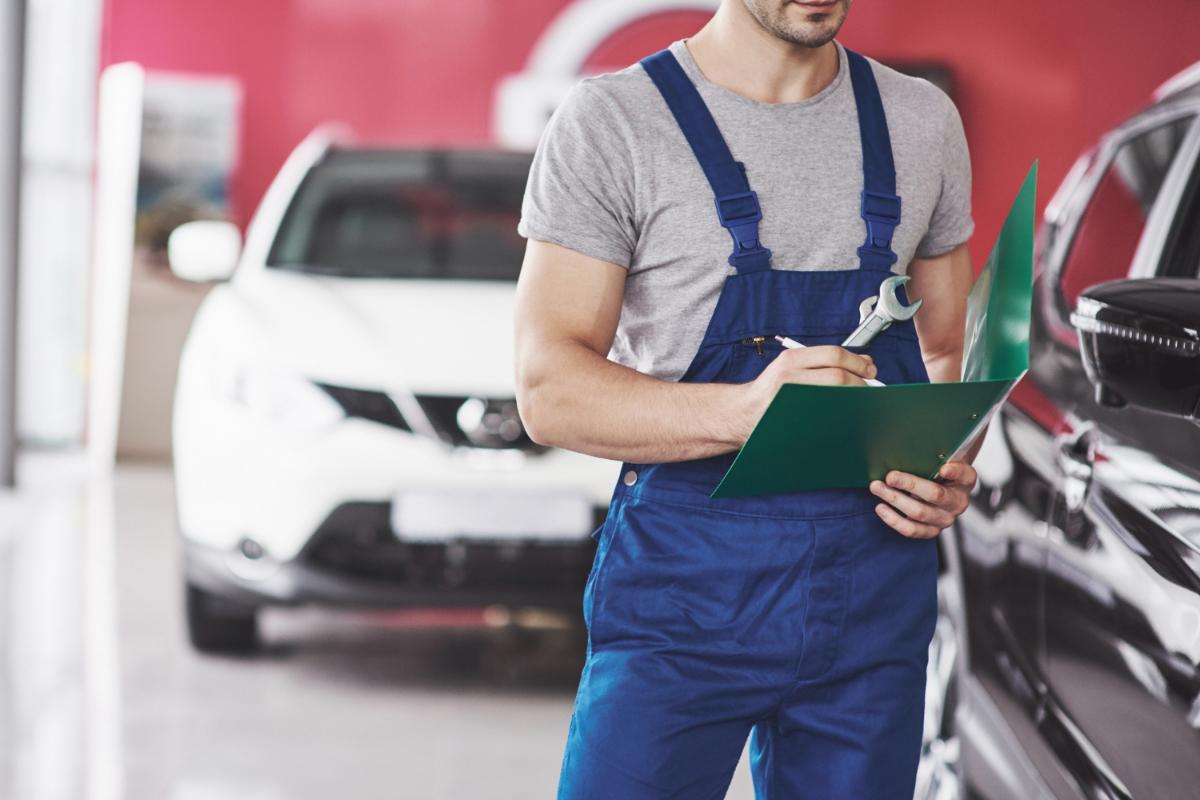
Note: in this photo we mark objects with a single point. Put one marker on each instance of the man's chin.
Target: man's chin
(810, 35)
(813, 26)
(811, 22)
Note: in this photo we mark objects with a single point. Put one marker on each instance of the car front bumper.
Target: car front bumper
(354, 559)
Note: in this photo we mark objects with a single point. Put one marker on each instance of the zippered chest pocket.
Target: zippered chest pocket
(752, 354)
(748, 357)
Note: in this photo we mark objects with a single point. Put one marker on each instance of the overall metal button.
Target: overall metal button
(630, 478)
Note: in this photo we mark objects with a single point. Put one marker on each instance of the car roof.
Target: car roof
(1177, 96)
(1185, 83)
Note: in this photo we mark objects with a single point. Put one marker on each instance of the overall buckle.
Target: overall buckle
(881, 212)
(740, 214)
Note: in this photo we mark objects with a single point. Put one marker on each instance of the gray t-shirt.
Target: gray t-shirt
(613, 178)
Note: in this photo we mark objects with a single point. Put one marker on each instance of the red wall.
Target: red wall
(1032, 79)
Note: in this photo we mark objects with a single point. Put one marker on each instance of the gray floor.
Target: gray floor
(102, 698)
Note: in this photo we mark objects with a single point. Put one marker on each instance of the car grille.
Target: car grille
(457, 420)
(365, 404)
(356, 540)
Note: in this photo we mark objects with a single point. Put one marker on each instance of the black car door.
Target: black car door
(997, 552)
(1121, 589)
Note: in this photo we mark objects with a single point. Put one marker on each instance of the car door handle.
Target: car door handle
(1074, 449)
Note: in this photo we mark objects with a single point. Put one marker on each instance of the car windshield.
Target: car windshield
(406, 214)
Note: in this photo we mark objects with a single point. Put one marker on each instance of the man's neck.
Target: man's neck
(735, 52)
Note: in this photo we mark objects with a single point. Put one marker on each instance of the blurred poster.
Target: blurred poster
(188, 155)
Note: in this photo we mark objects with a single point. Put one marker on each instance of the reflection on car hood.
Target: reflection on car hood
(427, 336)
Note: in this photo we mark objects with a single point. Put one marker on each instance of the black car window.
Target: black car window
(406, 214)
(1181, 255)
(1111, 226)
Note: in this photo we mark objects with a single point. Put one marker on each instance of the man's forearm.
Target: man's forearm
(571, 396)
(577, 399)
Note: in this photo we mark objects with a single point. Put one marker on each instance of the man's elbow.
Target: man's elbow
(551, 390)
(535, 407)
(537, 427)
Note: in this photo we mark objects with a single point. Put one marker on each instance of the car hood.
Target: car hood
(426, 336)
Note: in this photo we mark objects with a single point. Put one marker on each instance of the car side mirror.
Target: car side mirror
(204, 250)
(1140, 342)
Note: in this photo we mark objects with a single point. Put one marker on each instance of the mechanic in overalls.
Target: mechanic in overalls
(800, 620)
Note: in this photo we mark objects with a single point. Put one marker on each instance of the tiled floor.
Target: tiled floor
(101, 698)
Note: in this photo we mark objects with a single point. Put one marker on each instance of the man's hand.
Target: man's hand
(920, 508)
(827, 365)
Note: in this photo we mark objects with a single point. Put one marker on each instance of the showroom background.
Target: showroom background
(100, 695)
(412, 73)
(1028, 76)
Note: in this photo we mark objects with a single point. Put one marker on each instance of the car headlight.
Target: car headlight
(283, 397)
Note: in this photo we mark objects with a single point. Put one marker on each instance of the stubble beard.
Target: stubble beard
(780, 19)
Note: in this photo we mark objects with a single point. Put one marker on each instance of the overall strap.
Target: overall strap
(737, 206)
(880, 206)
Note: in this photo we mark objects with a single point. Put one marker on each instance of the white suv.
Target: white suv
(344, 423)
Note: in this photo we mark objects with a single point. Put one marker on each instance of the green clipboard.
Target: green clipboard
(865, 431)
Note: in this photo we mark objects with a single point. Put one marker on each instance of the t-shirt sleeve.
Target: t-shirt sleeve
(580, 189)
(951, 223)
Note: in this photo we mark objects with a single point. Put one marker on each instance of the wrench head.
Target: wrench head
(889, 306)
(865, 308)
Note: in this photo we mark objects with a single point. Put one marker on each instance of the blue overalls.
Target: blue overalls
(798, 619)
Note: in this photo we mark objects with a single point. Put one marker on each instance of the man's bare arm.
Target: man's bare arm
(570, 395)
(943, 283)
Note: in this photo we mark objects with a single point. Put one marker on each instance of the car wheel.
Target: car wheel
(218, 625)
(939, 776)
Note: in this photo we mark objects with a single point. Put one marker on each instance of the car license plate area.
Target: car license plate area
(435, 516)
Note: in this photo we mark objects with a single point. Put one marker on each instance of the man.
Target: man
(801, 620)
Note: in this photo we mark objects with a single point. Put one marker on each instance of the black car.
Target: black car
(1065, 663)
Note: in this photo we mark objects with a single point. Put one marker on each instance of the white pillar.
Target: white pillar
(12, 50)
(62, 58)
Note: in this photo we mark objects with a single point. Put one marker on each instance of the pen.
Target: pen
(791, 344)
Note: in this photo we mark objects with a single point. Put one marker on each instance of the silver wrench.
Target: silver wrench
(878, 312)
